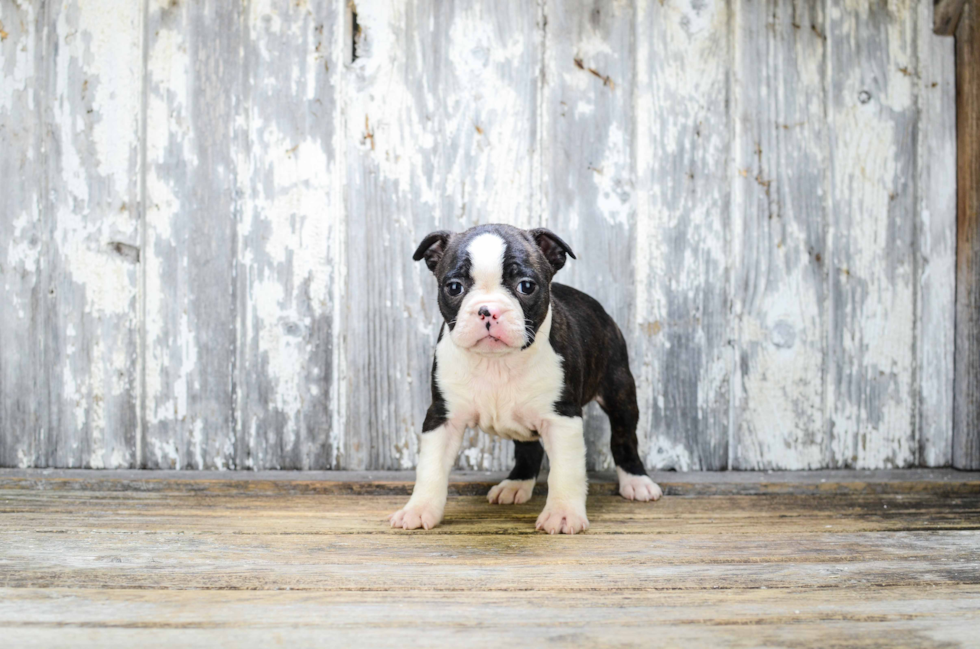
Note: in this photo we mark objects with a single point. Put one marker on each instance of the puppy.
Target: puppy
(520, 357)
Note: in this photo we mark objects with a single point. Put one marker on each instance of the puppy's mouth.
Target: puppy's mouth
(490, 342)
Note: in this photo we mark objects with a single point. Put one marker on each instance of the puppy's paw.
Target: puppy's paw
(562, 518)
(638, 487)
(415, 515)
(511, 492)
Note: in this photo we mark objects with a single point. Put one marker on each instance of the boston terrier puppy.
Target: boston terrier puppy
(520, 357)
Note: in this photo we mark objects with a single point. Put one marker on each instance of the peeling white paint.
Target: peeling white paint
(457, 115)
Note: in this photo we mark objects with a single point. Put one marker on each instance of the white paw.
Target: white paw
(638, 487)
(562, 519)
(415, 515)
(511, 492)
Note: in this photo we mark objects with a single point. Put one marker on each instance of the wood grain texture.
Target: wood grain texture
(902, 617)
(947, 16)
(841, 482)
(194, 149)
(205, 254)
(440, 135)
(88, 311)
(936, 235)
(871, 396)
(22, 376)
(779, 287)
(211, 566)
(93, 185)
(587, 162)
(966, 422)
(292, 216)
(681, 316)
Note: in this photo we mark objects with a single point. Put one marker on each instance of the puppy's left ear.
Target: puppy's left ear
(552, 246)
(432, 248)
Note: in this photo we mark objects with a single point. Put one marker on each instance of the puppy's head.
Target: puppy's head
(494, 283)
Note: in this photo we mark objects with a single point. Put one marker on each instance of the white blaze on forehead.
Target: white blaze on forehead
(487, 260)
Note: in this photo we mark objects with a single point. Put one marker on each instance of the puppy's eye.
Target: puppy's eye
(526, 287)
(453, 289)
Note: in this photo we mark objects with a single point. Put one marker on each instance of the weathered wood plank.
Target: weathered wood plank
(895, 617)
(91, 212)
(463, 567)
(194, 149)
(587, 161)
(955, 628)
(966, 418)
(35, 553)
(947, 16)
(440, 131)
(871, 398)
(631, 609)
(166, 513)
(288, 266)
(681, 315)
(778, 242)
(22, 384)
(939, 482)
(936, 236)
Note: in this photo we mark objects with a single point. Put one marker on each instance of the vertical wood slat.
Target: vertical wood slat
(682, 151)
(587, 162)
(872, 284)
(440, 119)
(966, 423)
(936, 210)
(194, 86)
(778, 247)
(72, 198)
(22, 377)
(287, 268)
(92, 187)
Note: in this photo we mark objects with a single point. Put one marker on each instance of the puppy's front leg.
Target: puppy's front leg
(437, 452)
(564, 442)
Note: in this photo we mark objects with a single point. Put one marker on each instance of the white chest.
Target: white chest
(507, 396)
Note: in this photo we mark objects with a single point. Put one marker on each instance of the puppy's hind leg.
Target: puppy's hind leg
(519, 485)
(617, 398)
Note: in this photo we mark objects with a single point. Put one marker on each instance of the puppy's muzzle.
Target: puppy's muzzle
(488, 315)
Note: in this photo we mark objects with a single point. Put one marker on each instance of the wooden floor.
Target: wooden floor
(139, 559)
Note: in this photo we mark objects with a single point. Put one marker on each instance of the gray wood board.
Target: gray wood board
(871, 125)
(966, 425)
(194, 84)
(936, 235)
(779, 288)
(291, 221)
(205, 259)
(22, 377)
(683, 145)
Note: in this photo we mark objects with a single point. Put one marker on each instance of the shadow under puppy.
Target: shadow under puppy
(519, 357)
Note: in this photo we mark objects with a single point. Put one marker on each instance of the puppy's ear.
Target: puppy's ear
(432, 248)
(552, 246)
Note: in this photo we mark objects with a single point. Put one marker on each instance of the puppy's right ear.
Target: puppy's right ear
(433, 247)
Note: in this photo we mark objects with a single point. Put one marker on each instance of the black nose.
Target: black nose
(484, 311)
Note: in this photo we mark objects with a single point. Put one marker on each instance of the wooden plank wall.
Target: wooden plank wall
(209, 210)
